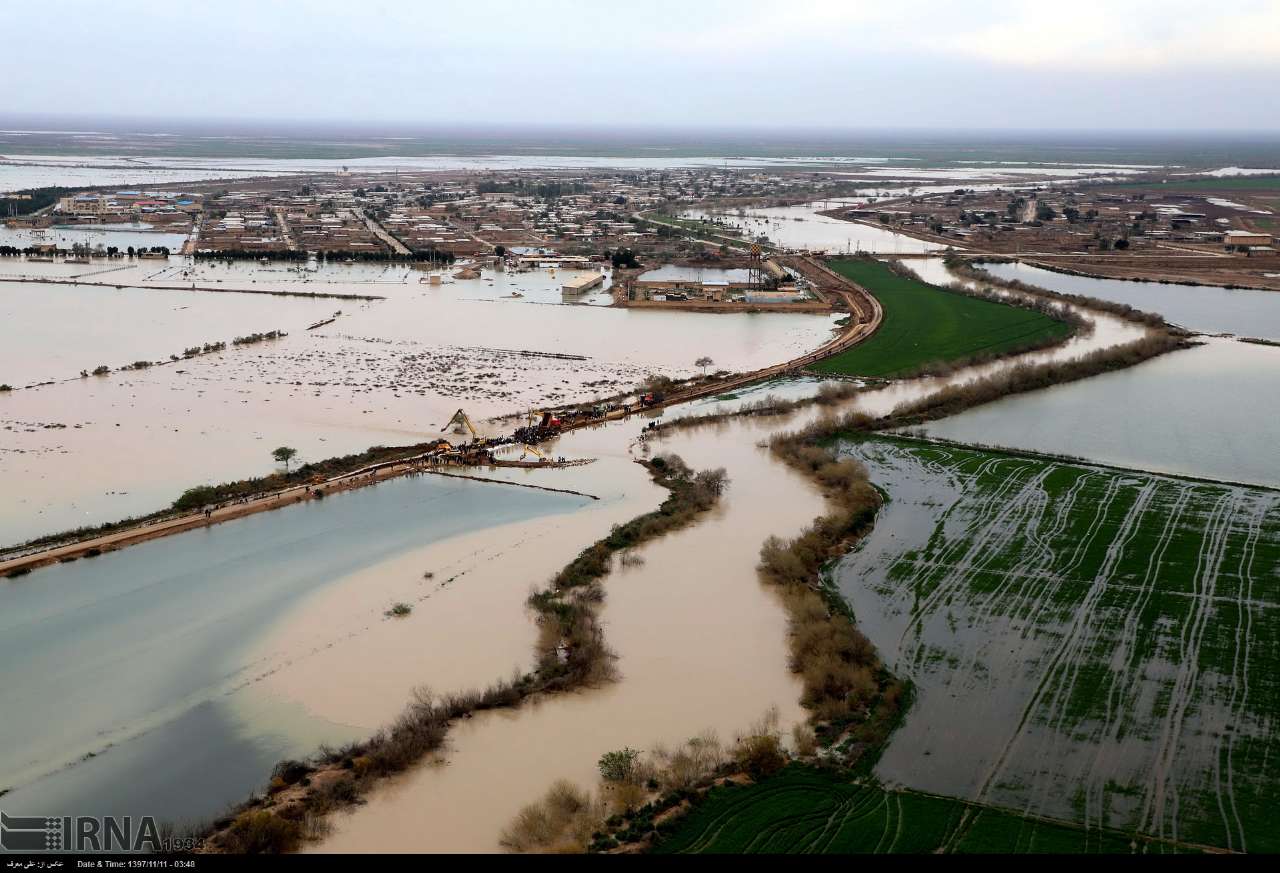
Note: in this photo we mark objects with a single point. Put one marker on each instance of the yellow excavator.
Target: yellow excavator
(462, 420)
(528, 449)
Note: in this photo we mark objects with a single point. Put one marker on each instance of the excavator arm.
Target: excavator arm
(461, 418)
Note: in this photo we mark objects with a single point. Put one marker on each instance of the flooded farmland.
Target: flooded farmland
(1097, 642)
(63, 325)
(122, 236)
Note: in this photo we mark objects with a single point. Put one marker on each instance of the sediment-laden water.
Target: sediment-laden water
(129, 681)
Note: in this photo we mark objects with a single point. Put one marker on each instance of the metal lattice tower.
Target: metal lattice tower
(756, 275)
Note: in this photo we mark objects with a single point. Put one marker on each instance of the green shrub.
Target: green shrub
(263, 833)
(618, 766)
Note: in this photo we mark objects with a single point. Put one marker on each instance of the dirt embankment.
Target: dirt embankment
(239, 508)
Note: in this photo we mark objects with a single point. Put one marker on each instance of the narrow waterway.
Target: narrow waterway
(1207, 308)
(701, 645)
(1212, 412)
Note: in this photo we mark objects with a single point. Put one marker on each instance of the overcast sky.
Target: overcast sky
(1122, 64)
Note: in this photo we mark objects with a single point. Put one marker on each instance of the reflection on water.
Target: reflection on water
(1212, 411)
(156, 640)
(1207, 308)
(119, 235)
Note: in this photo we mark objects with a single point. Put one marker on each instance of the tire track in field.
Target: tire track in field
(957, 563)
(1163, 797)
(1032, 571)
(1030, 615)
(1237, 704)
(1030, 707)
(1075, 649)
(1125, 681)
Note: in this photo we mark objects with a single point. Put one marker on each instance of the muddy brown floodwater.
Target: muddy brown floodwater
(701, 644)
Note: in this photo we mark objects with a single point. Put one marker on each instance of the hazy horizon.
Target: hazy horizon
(812, 64)
(232, 138)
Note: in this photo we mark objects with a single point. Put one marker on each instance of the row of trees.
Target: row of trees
(82, 249)
(433, 255)
(31, 200)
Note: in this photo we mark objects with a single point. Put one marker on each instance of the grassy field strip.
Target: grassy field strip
(924, 325)
(803, 810)
(1089, 645)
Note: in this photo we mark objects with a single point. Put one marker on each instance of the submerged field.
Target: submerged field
(924, 325)
(1087, 644)
(805, 810)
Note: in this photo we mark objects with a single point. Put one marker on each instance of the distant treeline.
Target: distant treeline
(82, 249)
(433, 255)
(32, 200)
(541, 190)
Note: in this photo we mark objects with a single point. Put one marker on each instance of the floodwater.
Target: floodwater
(801, 227)
(1085, 644)
(384, 373)
(1211, 412)
(156, 649)
(119, 235)
(58, 330)
(683, 668)
(701, 644)
(1207, 308)
(469, 625)
(672, 273)
(20, 171)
